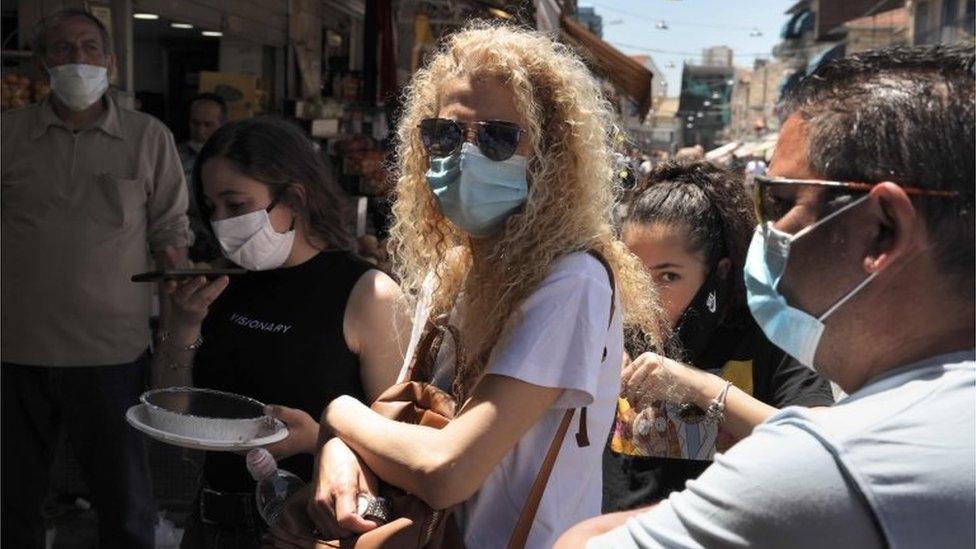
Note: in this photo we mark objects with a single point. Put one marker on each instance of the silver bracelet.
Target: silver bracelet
(716, 410)
(164, 338)
(171, 362)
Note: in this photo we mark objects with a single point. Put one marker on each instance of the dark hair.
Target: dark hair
(208, 96)
(277, 154)
(712, 205)
(44, 26)
(905, 115)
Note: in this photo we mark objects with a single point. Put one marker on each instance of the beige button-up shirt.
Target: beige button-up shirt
(80, 213)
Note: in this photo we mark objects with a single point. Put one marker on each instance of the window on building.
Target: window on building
(921, 22)
(950, 12)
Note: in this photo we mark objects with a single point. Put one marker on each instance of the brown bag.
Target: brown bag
(418, 402)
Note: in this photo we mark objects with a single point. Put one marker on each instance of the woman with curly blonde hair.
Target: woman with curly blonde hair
(504, 185)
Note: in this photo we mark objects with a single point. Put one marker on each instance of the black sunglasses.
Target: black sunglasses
(496, 139)
(775, 196)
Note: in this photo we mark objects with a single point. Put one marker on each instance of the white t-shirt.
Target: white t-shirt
(895, 461)
(557, 341)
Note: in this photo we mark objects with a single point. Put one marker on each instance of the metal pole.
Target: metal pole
(910, 10)
(762, 100)
(289, 57)
(122, 31)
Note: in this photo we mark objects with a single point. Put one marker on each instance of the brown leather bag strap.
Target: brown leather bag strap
(422, 364)
(524, 525)
(613, 287)
(424, 358)
(582, 438)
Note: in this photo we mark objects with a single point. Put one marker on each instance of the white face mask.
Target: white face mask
(78, 86)
(250, 241)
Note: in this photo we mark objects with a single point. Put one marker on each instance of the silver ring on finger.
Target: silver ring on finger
(373, 508)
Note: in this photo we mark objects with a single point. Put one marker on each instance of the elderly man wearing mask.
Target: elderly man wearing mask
(89, 189)
(861, 268)
(208, 112)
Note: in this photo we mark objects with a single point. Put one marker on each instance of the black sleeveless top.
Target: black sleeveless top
(277, 336)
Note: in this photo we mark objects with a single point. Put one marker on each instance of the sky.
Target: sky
(629, 25)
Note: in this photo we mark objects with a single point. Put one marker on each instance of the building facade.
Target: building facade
(657, 131)
(588, 17)
(820, 30)
(887, 28)
(941, 21)
(659, 85)
(754, 97)
(704, 112)
(717, 56)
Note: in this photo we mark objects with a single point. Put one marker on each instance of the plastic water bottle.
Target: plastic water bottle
(274, 485)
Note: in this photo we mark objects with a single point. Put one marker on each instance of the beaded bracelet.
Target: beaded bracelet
(164, 338)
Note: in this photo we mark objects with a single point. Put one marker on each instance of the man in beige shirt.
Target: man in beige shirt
(89, 190)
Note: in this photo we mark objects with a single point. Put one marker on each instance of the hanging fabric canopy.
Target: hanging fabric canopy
(626, 74)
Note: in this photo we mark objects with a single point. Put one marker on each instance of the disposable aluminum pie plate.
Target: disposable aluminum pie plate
(205, 419)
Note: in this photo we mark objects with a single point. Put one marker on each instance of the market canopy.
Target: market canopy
(722, 151)
(625, 73)
(757, 148)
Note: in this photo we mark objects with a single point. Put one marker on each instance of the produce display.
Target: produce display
(17, 91)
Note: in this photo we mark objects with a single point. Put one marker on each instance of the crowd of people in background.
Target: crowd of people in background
(683, 321)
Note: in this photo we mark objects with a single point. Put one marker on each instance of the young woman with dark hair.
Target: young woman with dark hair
(309, 322)
(690, 224)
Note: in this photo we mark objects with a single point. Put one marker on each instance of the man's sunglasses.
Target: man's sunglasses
(496, 139)
(776, 196)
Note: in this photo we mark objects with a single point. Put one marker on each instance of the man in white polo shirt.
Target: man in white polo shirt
(862, 268)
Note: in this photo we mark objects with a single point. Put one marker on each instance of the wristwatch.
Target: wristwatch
(716, 410)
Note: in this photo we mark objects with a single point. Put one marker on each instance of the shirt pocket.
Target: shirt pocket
(116, 201)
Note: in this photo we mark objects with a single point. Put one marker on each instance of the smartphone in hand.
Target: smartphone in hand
(183, 274)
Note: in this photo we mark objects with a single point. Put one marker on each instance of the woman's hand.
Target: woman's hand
(183, 306)
(303, 432)
(340, 476)
(653, 378)
(191, 298)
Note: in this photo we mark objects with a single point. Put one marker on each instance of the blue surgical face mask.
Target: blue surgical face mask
(478, 194)
(793, 330)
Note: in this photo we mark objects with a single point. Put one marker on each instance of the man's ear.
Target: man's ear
(111, 66)
(899, 227)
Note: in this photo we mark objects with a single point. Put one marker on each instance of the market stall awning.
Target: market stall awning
(722, 151)
(625, 73)
(758, 148)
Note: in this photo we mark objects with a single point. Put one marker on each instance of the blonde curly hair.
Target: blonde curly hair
(570, 169)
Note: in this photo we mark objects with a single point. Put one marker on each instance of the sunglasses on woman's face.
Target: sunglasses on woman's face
(496, 139)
